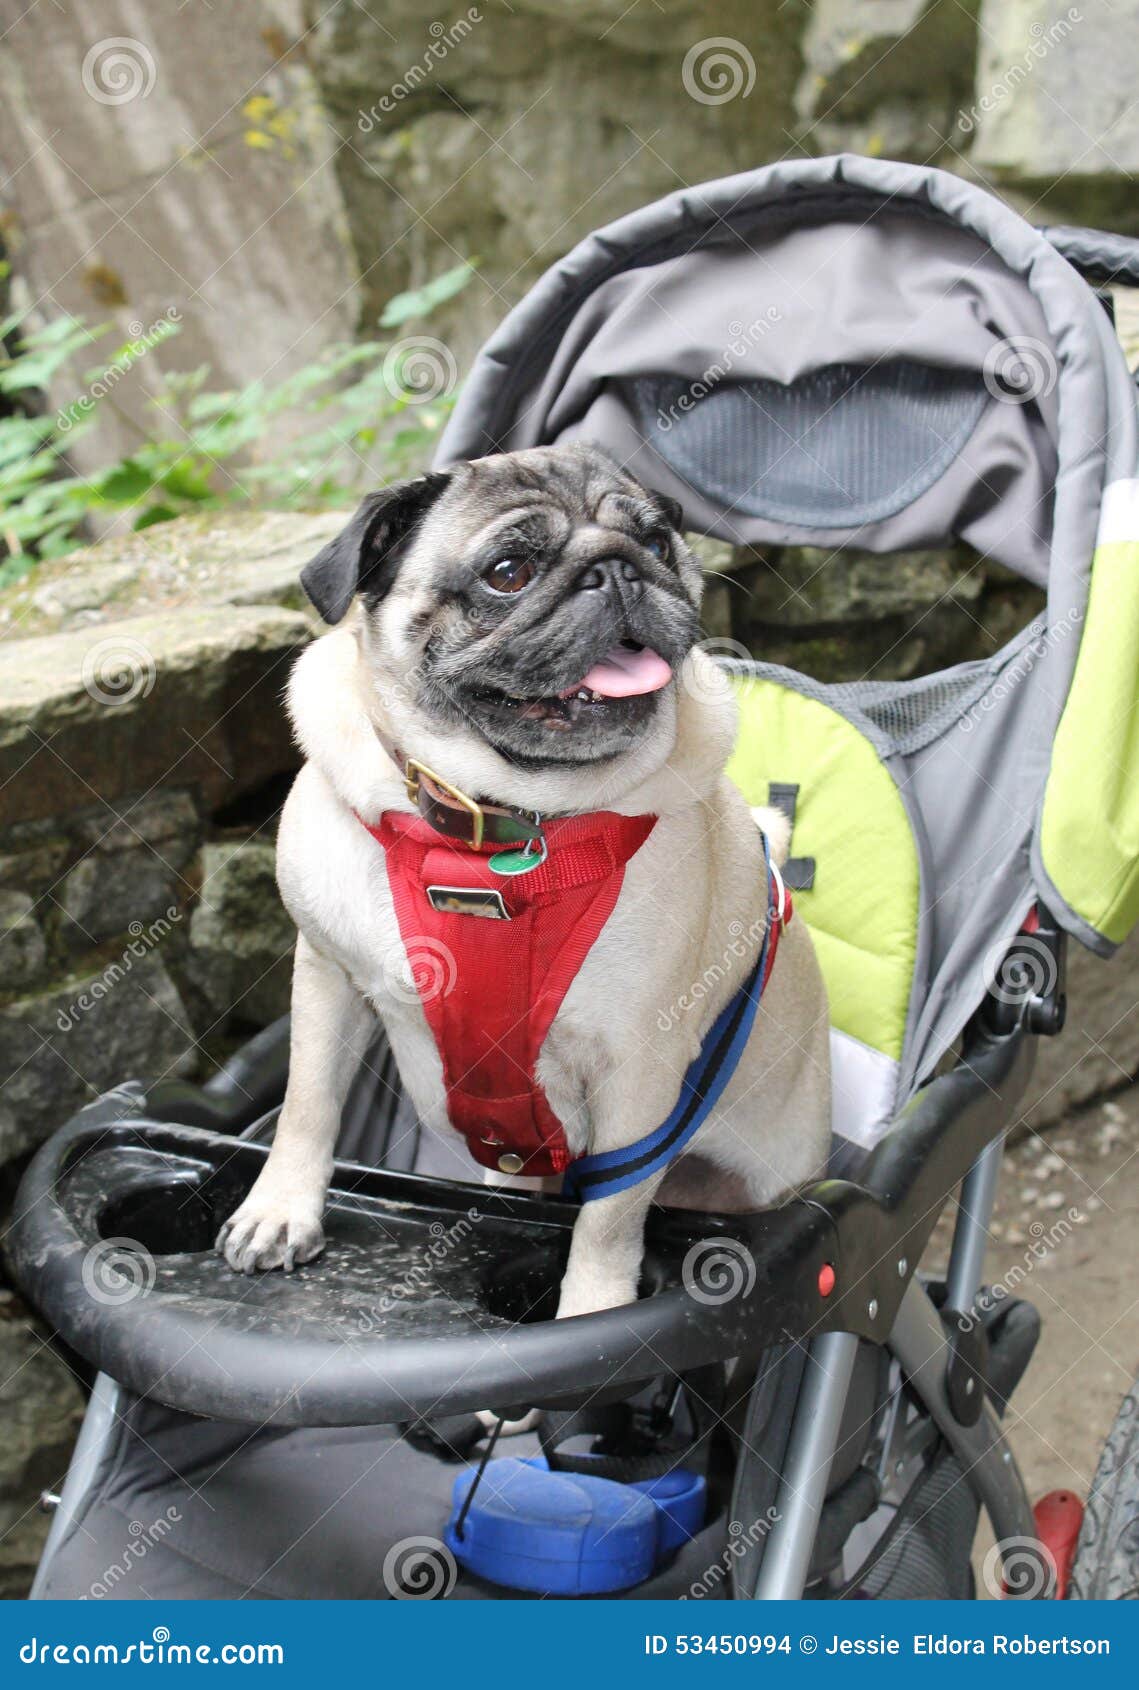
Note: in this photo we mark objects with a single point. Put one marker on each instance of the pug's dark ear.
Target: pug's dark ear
(671, 509)
(365, 556)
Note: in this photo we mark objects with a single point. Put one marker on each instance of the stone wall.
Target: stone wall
(277, 181)
(143, 756)
(156, 159)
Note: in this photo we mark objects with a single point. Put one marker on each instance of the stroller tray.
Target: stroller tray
(433, 1297)
(429, 1297)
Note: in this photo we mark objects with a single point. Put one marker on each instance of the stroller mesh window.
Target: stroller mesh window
(912, 714)
(900, 717)
(839, 446)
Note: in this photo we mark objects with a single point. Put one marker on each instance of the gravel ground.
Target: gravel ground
(1064, 1236)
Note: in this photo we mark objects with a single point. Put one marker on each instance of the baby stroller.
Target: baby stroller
(831, 352)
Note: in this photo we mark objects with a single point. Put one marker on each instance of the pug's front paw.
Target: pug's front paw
(271, 1231)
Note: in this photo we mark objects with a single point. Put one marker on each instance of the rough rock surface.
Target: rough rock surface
(154, 161)
(145, 728)
(230, 557)
(866, 84)
(160, 698)
(850, 615)
(537, 123)
(1098, 1051)
(1053, 112)
(83, 1035)
(241, 936)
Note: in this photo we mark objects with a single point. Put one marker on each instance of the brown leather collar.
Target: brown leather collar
(455, 814)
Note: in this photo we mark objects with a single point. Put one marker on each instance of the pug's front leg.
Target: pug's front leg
(607, 1250)
(280, 1222)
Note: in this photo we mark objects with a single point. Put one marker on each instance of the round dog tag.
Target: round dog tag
(516, 862)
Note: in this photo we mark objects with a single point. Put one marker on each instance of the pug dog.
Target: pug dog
(526, 625)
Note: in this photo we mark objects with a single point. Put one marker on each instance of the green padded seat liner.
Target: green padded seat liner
(863, 907)
(1089, 837)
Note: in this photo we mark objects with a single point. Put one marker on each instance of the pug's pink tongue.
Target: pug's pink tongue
(624, 674)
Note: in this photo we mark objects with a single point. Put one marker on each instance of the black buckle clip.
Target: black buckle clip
(1028, 988)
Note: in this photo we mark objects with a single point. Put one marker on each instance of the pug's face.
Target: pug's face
(541, 599)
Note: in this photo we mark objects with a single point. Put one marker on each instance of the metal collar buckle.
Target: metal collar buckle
(414, 772)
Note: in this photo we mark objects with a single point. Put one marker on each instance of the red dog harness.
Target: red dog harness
(490, 989)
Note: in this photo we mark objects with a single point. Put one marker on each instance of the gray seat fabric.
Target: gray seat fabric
(181, 1508)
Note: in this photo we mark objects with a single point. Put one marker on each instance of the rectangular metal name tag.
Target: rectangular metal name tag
(469, 900)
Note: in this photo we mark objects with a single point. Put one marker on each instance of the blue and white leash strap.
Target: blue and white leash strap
(591, 1177)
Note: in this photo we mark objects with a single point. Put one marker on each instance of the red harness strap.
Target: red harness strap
(490, 988)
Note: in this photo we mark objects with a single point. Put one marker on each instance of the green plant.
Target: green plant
(356, 413)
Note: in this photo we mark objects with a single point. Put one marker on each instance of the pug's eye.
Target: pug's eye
(658, 546)
(509, 575)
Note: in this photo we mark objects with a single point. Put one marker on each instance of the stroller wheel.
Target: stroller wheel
(1106, 1566)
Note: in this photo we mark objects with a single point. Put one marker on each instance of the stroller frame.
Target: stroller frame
(919, 1342)
(951, 1133)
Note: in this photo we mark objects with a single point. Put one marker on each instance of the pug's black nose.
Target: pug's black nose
(618, 576)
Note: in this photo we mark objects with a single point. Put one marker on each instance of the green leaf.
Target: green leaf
(123, 484)
(14, 569)
(154, 514)
(188, 478)
(420, 302)
(307, 441)
(42, 352)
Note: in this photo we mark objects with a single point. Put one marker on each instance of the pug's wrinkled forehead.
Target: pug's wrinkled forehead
(539, 494)
(575, 482)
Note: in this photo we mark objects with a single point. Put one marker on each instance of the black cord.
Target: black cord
(477, 1481)
(931, 1461)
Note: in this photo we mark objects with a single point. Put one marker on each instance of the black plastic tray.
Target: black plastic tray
(433, 1297)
